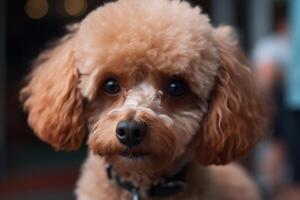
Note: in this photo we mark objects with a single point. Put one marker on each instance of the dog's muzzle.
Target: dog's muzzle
(131, 133)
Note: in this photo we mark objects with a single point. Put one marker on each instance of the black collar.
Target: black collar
(171, 185)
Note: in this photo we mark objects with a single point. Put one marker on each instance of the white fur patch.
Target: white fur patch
(144, 98)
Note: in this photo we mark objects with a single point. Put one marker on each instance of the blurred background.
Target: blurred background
(269, 32)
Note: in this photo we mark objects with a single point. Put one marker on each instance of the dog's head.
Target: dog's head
(153, 81)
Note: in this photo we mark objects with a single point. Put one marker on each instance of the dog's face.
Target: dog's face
(147, 117)
(153, 81)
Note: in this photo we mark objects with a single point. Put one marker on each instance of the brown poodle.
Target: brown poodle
(162, 95)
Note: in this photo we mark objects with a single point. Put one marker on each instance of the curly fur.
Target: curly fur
(143, 44)
(53, 100)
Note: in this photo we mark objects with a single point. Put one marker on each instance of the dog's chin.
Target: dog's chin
(139, 162)
(134, 155)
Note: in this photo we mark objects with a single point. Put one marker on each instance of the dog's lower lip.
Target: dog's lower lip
(133, 154)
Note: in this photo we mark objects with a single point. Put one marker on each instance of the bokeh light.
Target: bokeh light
(75, 7)
(36, 9)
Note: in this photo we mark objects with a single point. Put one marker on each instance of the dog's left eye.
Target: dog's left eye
(176, 88)
(111, 86)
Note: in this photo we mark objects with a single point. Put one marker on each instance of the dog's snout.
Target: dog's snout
(131, 133)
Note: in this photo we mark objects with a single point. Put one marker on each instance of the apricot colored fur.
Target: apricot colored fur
(143, 44)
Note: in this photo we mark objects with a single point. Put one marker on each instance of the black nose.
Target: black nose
(131, 133)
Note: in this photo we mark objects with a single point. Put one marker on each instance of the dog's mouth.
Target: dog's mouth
(133, 155)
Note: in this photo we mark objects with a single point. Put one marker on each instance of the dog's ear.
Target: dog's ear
(52, 99)
(233, 122)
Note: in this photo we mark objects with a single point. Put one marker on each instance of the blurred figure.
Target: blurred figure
(276, 163)
(270, 58)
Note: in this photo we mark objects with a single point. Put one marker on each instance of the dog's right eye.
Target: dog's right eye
(111, 86)
(176, 88)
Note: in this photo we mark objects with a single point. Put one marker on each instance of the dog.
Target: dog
(164, 98)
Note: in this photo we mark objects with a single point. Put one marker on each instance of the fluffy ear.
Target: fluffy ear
(233, 123)
(52, 99)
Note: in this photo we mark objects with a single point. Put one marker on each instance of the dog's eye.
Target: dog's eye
(176, 88)
(111, 86)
